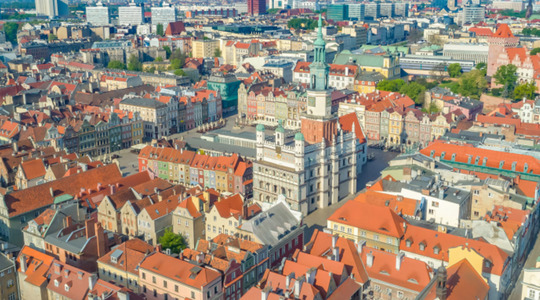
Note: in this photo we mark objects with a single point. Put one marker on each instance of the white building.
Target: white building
(163, 15)
(130, 15)
(472, 14)
(531, 282)
(357, 11)
(97, 15)
(476, 52)
(52, 8)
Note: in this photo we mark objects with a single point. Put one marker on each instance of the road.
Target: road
(371, 171)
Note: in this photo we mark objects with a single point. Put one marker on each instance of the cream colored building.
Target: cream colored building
(204, 48)
(188, 220)
(224, 217)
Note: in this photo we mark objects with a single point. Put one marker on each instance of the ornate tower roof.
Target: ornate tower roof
(319, 69)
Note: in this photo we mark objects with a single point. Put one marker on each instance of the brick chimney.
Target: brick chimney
(89, 228)
(101, 240)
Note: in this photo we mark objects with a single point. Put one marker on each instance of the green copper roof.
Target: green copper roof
(260, 127)
(62, 198)
(299, 136)
(280, 127)
(346, 57)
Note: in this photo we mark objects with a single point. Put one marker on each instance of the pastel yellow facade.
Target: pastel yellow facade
(395, 128)
(372, 239)
(459, 253)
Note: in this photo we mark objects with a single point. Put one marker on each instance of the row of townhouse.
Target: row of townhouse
(101, 133)
(391, 118)
(265, 104)
(224, 173)
(167, 113)
(339, 76)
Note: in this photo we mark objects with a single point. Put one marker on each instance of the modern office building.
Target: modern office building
(204, 48)
(386, 9)
(357, 11)
(401, 9)
(338, 12)
(472, 14)
(52, 8)
(97, 15)
(130, 15)
(163, 15)
(372, 11)
(256, 7)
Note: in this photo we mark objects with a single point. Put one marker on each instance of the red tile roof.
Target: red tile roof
(33, 169)
(369, 217)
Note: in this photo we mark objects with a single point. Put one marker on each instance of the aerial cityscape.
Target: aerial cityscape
(269, 149)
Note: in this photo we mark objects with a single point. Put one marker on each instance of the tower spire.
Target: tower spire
(319, 32)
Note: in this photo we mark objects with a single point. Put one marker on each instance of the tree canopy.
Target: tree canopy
(159, 29)
(134, 64)
(173, 241)
(217, 52)
(535, 51)
(391, 85)
(471, 84)
(302, 23)
(507, 77)
(11, 28)
(167, 51)
(116, 64)
(525, 90)
(454, 70)
(413, 89)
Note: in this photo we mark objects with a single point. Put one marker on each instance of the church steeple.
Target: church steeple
(319, 68)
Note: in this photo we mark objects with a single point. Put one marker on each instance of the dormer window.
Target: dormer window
(408, 243)
(436, 250)
(56, 283)
(66, 287)
(422, 246)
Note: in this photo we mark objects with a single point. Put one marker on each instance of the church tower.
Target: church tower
(319, 123)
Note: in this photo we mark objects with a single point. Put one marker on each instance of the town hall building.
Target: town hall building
(319, 165)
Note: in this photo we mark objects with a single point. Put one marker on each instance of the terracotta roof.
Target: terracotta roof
(413, 274)
(463, 282)
(494, 159)
(190, 206)
(321, 243)
(36, 197)
(38, 264)
(369, 217)
(481, 31)
(503, 31)
(348, 121)
(162, 208)
(230, 207)
(33, 169)
(398, 204)
(179, 270)
(431, 239)
(131, 253)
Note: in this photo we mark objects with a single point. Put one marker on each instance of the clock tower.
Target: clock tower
(319, 123)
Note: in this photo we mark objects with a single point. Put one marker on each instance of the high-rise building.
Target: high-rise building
(338, 12)
(401, 9)
(472, 14)
(204, 48)
(97, 15)
(386, 9)
(52, 8)
(256, 7)
(130, 15)
(163, 15)
(373, 11)
(357, 11)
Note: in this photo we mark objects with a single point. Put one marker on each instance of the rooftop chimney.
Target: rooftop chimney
(298, 286)
(310, 275)
(369, 259)
(288, 280)
(265, 292)
(23, 263)
(399, 259)
(92, 281)
(334, 240)
(335, 253)
(360, 246)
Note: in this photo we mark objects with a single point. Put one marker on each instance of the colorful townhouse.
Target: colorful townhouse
(222, 173)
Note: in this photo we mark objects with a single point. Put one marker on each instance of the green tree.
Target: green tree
(525, 90)
(535, 51)
(116, 64)
(454, 70)
(11, 28)
(415, 91)
(471, 84)
(273, 11)
(52, 37)
(159, 59)
(390, 85)
(159, 30)
(134, 64)
(439, 72)
(217, 52)
(151, 69)
(302, 23)
(481, 66)
(175, 64)
(177, 54)
(506, 76)
(167, 51)
(173, 241)
(180, 72)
